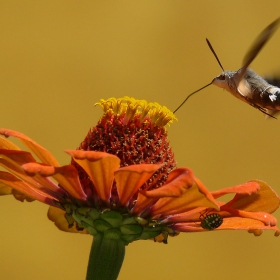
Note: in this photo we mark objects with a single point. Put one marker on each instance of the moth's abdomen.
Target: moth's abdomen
(269, 98)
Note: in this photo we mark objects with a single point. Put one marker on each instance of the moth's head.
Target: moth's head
(222, 80)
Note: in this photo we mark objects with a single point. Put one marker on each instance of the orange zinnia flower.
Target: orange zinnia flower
(123, 185)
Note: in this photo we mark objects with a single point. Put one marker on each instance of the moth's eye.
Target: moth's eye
(222, 77)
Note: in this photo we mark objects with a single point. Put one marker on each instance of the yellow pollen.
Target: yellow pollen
(129, 107)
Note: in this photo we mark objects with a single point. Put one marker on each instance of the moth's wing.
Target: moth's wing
(257, 45)
(244, 88)
(251, 84)
(273, 80)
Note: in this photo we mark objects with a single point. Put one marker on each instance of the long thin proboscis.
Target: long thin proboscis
(212, 50)
(190, 96)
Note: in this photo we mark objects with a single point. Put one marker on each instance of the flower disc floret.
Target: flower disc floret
(134, 131)
(146, 111)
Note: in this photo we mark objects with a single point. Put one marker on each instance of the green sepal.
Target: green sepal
(89, 228)
(83, 211)
(131, 229)
(129, 221)
(68, 209)
(130, 238)
(79, 218)
(150, 233)
(165, 236)
(112, 217)
(93, 214)
(141, 221)
(171, 231)
(70, 220)
(115, 225)
(101, 225)
(87, 220)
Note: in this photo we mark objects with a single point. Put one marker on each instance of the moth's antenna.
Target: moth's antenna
(212, 50)
(190, 96)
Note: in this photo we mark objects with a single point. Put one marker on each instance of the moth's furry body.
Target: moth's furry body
(252, 89)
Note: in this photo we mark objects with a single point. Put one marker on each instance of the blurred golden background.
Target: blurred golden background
(57, 58)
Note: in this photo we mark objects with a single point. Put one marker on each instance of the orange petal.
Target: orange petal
(142, 204)
(21, 197)
(66, 176)
(5, 189)
(178, 181)
(12, 181)
(19, 157)
(265, 200)
(130, 178)
(189, 216)
(247, 188)
(7, 145)
(37, 182)
(232, 223)
(243, 224)
(195, 214)
(100, 167)
(44, 155)
(188, 227)
(195, 196)
(56, 215)
(264, 217)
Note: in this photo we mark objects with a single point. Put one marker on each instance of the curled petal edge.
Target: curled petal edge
(178, 181)
(130, 178)
(233, 223)
(66, 176)
(23, 188)
(246, 188)
(44, 155)
(195, 196)
(264, 200)
(100, 167)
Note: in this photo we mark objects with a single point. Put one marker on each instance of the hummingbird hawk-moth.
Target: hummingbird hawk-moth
(244, 83)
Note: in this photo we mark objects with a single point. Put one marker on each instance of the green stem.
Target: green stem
(105, 259)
